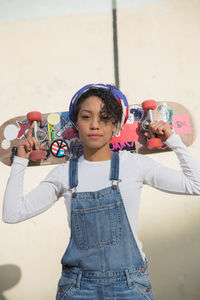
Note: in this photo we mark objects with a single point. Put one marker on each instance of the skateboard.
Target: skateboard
(61, 141)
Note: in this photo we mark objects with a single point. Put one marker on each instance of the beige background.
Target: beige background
(47, 52)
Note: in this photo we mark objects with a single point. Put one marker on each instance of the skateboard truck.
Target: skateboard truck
(35, 117)
(149, 106)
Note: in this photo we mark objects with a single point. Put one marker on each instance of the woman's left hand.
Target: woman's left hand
(161, 129)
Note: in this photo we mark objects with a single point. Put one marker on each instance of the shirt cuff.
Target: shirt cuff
(174, 141)
(20, 160)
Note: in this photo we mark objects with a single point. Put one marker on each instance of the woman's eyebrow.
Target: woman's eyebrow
(86, 110)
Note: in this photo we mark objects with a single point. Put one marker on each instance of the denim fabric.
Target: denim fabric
(102, 260)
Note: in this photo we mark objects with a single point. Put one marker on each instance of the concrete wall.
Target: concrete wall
(47, 52)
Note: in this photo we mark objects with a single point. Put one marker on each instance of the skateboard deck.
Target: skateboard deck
(61, 139)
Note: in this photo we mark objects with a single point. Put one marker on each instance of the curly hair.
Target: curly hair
(111, 109)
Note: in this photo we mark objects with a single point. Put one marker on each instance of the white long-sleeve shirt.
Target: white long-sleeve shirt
(134, 171)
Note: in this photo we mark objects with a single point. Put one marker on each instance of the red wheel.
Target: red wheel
(149, 104)
(37, 155)
(154, 143)
(34, 116)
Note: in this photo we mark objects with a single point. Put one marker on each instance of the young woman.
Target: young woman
(104, 258)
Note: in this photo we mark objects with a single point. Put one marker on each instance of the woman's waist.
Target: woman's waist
(101, 275)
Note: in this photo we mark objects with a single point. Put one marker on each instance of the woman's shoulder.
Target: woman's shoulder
(127, 155)
(60, 169)
(134, 158)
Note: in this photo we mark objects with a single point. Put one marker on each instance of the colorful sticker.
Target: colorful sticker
(23, 128)
(129, 146)
(51, 131)
(170, 115)
(58, 148)
(11, 132)
(70, 133)
(66, 124)
(164, 112)
(53, 119)
(5, 144)
(136, 114)
(130, 132)
(75, 148)
(181, 124)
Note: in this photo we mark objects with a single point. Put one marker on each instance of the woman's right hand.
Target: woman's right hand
(27, 145)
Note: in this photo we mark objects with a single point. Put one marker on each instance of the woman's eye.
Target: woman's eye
(85, 117)
(104, 118)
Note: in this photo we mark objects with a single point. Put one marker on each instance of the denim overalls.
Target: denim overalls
(102, 261)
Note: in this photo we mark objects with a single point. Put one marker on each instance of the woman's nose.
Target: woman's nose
(94, 123)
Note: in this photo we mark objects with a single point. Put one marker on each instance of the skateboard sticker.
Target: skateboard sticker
(75, 148)
(164, 112)
(129, 146)
(164, 146)
(11, 132)
(51, 131)
(136, 114)
(129, 132)
(58, 148)
(5, 144)
(181, 124)
(23, 128)
(53, 119)
(170, 115)
(65, 124)
(70, 133)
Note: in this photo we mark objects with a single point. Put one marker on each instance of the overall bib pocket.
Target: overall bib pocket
(97, 226)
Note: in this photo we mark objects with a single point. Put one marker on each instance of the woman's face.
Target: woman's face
(95, 133)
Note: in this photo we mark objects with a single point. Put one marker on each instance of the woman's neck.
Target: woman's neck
(97, 154)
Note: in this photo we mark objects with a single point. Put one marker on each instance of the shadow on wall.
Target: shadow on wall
(9, 276)
(175, 264)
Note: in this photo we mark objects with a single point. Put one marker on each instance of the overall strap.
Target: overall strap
(114, 169)
(73, 173)
(73, 170)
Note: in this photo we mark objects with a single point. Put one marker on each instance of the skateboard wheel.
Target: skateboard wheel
(34, 116)
(37, 155)
(154, 143)
(149, 104)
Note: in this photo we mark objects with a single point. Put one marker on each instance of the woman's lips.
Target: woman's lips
(94, 136)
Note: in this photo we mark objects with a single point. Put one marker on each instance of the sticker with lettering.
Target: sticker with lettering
(181, 124)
